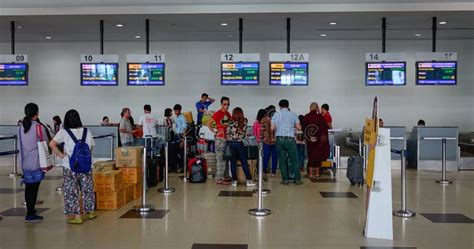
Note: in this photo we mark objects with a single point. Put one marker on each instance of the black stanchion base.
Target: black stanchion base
(404, 213)
(13, 175)
(166, 190)
(183, 178)
(144, 208)
(444, 182)
(260, 212)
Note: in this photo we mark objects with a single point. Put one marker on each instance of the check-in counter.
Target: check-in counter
(424, 148)
(104, 146)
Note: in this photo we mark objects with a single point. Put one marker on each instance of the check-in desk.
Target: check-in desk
(424, 147)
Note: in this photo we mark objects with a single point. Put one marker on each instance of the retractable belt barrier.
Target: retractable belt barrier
(144, 207)
(166, 189)
(443, 140)
(260, 211)
(403, 212)
(15, 152)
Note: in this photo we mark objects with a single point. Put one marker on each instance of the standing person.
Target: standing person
(300, 145)
(125, 128)
(269, 140)
(180, 128)
(316, 132)
(77, 186)
(29, 156)
(221, 118)
(236, 133)
(257, 127)
(326, 115)
(421, 123)
(57, 124)
(168, 124)
(284, 123)
(148, 122)
(202, 106)
(106, 121)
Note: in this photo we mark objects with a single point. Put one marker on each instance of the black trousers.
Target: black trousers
(31, 195)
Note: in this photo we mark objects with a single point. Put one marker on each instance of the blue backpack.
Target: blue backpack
(81, 159)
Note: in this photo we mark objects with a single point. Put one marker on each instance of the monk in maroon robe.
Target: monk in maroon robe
(317, 143)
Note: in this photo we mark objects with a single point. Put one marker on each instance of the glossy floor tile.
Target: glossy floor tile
(199, 215)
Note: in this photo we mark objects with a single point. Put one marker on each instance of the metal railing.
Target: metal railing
(14, 152)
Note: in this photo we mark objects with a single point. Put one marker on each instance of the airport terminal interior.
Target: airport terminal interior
(218, 124)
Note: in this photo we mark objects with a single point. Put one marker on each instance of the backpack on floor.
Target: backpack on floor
(81, 159)
(197, 170)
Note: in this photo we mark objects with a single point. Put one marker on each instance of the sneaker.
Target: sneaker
(92, 215)
(250, 183)
(75, 221)
(284, 182)
(33, 219)
(234, 183)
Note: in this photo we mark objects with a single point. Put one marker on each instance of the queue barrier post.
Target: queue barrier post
(403, 212)
(144, 207)
(166, 189)
(185, 163)
(260, 210)
(443, 180)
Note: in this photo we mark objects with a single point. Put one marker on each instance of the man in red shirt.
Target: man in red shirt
(326, 115)
(221, 120)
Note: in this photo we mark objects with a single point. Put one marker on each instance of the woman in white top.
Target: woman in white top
(76, 185)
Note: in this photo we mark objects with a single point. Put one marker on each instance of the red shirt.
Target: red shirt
(222, 120)
(327, 117)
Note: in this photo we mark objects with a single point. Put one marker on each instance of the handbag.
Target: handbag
(45, 158)
(227, 152)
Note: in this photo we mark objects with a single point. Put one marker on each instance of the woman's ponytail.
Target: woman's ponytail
(31, 110)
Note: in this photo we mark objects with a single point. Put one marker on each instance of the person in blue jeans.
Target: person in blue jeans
(268, 138)
(235, 135)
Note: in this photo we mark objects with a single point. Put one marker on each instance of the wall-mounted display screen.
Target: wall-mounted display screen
(289, 73)
(145, 74)
(14, 74)
(99, 74)
(240, 73)
(385, 73)
(436, 72)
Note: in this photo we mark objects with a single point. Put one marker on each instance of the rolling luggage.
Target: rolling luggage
(355, 170)
(152, 172)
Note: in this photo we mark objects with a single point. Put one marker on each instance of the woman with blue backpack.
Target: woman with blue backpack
(77, 163)
(28, 133)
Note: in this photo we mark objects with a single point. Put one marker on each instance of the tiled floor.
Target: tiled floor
(301, 218)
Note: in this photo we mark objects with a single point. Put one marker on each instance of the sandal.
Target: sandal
(75, 221)
(92, 215)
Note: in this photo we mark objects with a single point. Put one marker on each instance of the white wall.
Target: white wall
(336, 77)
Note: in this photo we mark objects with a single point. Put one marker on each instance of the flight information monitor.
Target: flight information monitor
(240, 73)
(289, 73)
(436, 72)
(14, 74)
(146, 74)
(385, 73)
(99, 74)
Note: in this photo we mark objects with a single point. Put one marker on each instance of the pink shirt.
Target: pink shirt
(256, 130)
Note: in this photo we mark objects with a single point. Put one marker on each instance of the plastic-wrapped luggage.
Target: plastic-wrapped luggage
(355, 170)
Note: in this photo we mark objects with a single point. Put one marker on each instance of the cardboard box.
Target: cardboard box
(129, 156)
(110, 200)
(108, 180)
(104, 165)
(138, 191)
(129, 193)
(132, 175)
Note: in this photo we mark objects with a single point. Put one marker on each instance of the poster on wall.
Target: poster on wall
(146, 70)
(240, 69)
(289, 69)
(385, 69)
(14, 70)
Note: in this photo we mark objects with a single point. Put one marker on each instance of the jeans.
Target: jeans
(270, 150)
(31, 195)
(239, 152)
(287, 149)
(301, 155)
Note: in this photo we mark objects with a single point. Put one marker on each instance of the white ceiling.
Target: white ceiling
(206, 27)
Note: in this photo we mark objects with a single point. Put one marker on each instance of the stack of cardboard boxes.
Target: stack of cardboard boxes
(120, 182)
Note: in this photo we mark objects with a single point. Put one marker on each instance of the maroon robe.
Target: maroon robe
(316, 135)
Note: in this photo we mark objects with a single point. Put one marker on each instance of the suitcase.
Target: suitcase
(355, 170)
(152, 172)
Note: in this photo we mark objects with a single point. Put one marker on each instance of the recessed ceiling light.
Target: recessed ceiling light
(230, 36)
(333, 23)
(224, 24)
(48, 37)
(417, 35)
(138, 37)
(323, 35)
(443, 22)
(119, 25)
(19, 27)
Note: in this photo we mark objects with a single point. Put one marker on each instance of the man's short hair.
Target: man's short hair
(204, 95)
(224, 98)
(325, 107)
(177, 107)
(284, 103)
(147, 108)
(421, 122)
